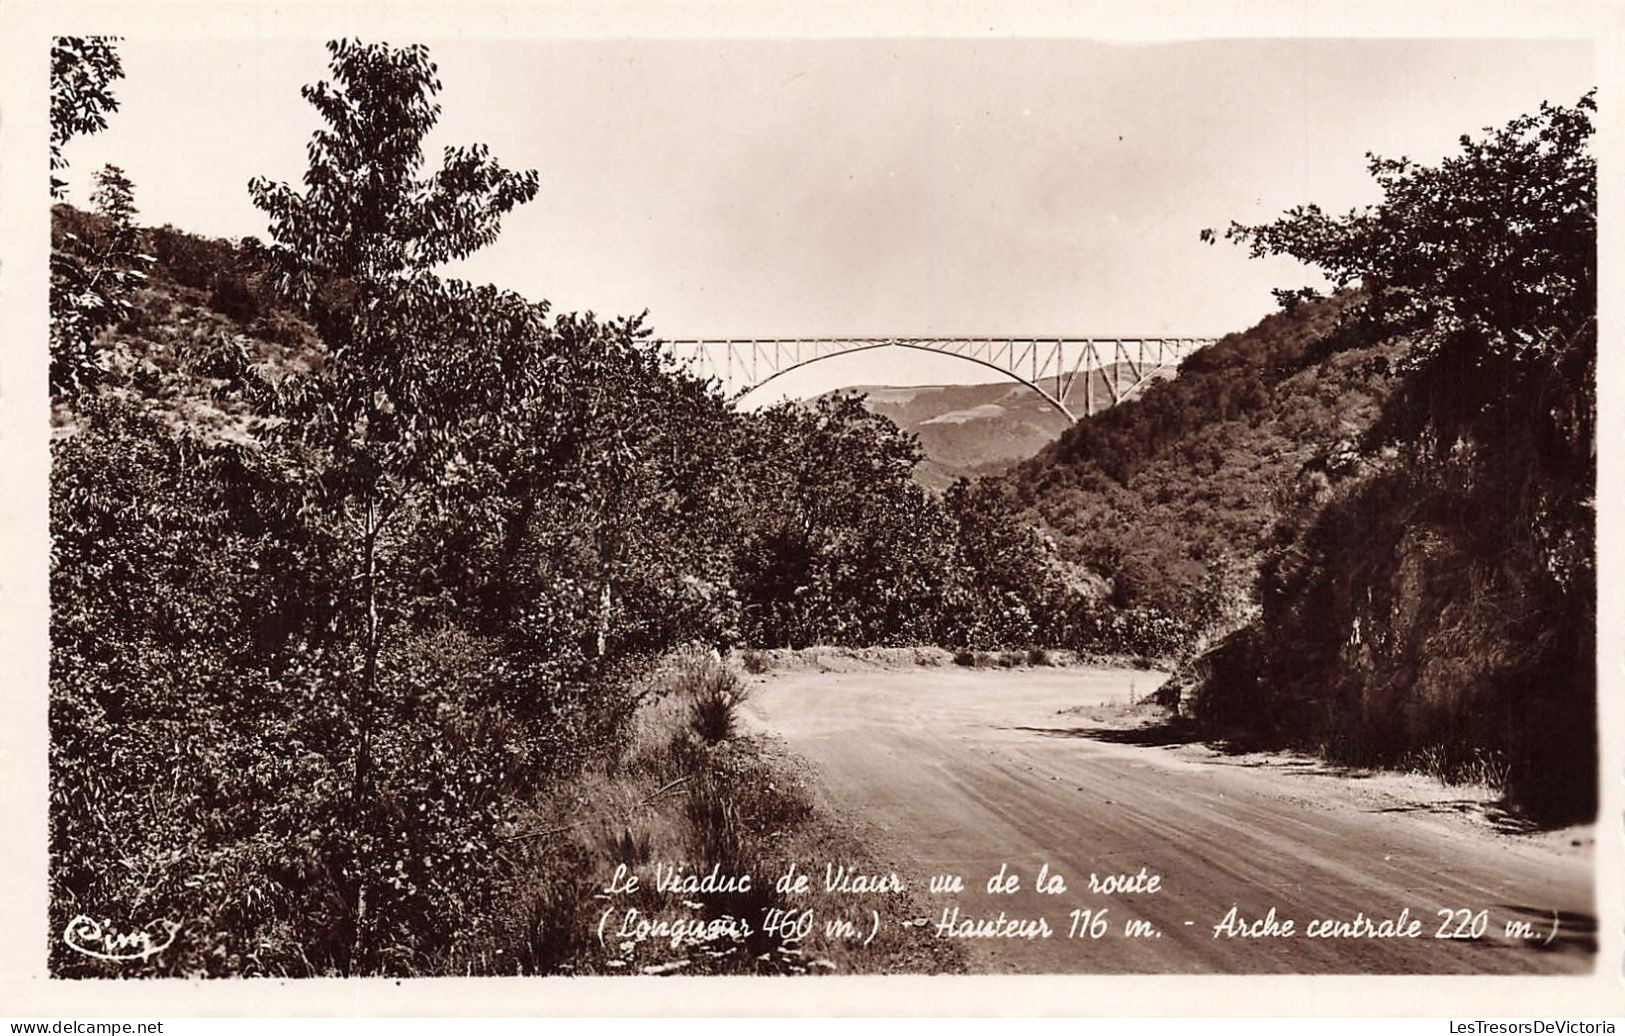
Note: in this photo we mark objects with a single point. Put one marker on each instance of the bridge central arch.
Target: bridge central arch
(1051, 367)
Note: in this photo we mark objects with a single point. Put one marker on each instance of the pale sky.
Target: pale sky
(748, 188)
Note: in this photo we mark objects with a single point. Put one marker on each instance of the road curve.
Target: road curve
(959, 771)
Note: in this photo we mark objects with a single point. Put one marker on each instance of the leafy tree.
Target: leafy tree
(83, 69)
(843, 545)
(1441, 589)
(623, 484)
(114, 197)
(358, 246)
(93, 275)
(603, 526)
(1009, 579)
(1487, 264)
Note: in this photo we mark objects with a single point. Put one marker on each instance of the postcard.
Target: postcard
(544, 509)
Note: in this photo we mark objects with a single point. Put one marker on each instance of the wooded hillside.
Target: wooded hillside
(1388, 494)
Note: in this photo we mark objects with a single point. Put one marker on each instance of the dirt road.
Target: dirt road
(952, 771)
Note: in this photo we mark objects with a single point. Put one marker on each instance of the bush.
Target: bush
(717, 830)
(1168, 695)
(756, 662)
(551, 922)
(196, 706)
(189, 260)
(1395, 634)
(624, 845)
(1135, 631)
(964, 657)
(714, 695)
(232, 297)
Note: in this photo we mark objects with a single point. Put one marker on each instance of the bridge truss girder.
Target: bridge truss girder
(1051, 367)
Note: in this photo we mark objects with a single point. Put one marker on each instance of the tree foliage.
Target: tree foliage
(83, 70)
(95, 271)
(92, 275)
(381, 419)
(1437, 595)
(1486, 264)
(1160, 508)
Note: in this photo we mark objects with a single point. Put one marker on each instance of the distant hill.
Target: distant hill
(206, 313)
(974, 430)
(967, 430)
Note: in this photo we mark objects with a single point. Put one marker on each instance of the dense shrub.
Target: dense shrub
(190, 261)
(1135, 631)
(1399, 629)
(200, 744)
(231, 296)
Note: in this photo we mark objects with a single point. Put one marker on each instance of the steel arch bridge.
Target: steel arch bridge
(1051, 367)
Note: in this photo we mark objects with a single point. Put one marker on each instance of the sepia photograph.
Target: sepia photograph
(880, 506)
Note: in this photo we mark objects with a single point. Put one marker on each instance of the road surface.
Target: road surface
(954, 771)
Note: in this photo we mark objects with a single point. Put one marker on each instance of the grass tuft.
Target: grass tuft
(713, 705)
(628, 846)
